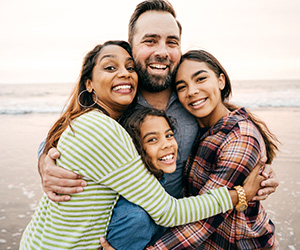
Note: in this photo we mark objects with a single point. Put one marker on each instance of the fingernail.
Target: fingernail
(80, 189)
(102, 240)
(67, 198)
(83, 184)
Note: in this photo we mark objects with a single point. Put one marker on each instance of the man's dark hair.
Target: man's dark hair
(148, 5)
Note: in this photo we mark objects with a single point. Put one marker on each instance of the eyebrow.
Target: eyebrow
(198, 72)
(153, 133)
(149, 35)
(150, 133)
(129, 58)
(193, 75)
(107, 56)
(167, 131)
(174, 37)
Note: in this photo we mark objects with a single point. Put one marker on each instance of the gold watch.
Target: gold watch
(242, 204)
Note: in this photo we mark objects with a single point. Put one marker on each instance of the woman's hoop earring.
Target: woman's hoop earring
(84, 106)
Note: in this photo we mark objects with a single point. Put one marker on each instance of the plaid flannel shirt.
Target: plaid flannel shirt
(224, 156)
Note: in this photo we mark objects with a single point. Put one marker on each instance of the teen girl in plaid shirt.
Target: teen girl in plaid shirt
(230, 143)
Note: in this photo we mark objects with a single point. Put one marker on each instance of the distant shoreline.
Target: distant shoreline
(24, 113)
(51, 98)
(233, 80)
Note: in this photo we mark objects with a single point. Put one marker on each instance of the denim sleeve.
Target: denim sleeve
(130, 227)
(41, 148)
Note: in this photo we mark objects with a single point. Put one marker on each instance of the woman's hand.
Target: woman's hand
(56, 180)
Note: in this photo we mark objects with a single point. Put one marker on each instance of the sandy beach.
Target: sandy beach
(21, 188)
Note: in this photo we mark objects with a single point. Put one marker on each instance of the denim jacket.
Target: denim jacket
(131, 227)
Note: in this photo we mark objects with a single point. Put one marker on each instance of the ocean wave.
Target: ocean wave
(267, 103)
(51, 98)
(57, 110)
(25, 111)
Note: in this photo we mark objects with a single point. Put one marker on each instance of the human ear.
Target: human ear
(222, 81)
(89, 85)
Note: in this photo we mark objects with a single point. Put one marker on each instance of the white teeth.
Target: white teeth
(158, 66)
(167, 157)
(198, 102)
(122, 87)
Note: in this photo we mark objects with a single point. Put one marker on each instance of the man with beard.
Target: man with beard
(155, 36)
(155, 39)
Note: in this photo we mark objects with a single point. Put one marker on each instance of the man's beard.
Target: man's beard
(153, 83)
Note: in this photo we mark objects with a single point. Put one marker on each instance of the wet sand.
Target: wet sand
(21, 189)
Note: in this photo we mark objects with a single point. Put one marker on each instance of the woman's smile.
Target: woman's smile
(123, 88)
(199, 103)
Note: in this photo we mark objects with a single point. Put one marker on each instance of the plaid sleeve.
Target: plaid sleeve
(237, 156)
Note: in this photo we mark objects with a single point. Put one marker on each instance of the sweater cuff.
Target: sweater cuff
(223, 198)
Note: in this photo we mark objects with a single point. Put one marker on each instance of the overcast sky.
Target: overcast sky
(45, 41)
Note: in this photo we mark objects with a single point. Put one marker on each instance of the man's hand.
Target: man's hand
(269, 185)
(56, 180)
(105, 244)
(253, 181)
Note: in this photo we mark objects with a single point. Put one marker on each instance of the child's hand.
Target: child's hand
(105, 245)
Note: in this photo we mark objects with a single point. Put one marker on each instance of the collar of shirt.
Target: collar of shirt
(226, 123)
(141, 100)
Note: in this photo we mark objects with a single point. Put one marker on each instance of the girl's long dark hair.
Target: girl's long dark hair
(132, 120)
(202, 56)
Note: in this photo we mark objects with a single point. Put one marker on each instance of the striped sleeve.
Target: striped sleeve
(137, 185)
(111, 159)
(238, 155)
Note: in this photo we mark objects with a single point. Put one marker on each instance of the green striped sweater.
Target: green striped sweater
(99, 149)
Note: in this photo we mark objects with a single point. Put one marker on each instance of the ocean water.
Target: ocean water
(266, 93)
(33, 98)
(51, 98)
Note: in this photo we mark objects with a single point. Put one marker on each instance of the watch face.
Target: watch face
(242, 208)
